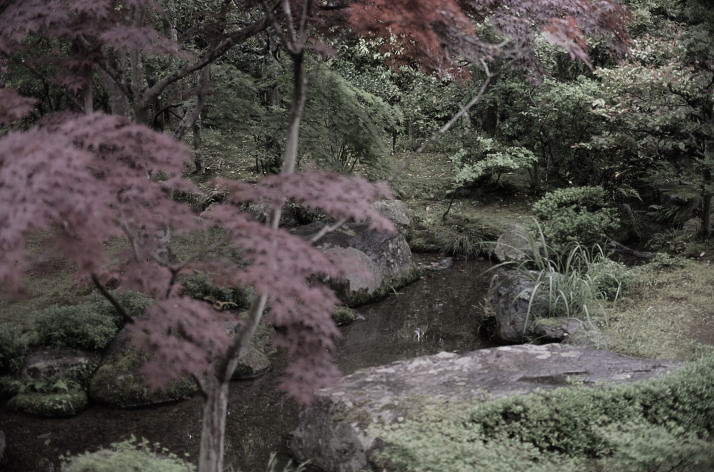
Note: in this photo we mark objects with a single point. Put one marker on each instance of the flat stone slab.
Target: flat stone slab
(337, 432)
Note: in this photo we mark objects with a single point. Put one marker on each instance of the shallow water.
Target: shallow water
(439, 312)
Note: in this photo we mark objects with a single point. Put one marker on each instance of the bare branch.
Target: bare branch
(115, 303)
(326, 229)
(440, 132)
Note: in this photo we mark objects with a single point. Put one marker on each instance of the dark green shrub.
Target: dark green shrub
(200, 287)
(90, 326)
(575, 215)
(76, 326)
(13, 348)
(127, 456)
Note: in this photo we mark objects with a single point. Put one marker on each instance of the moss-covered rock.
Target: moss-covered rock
(252, 364)
(47, 365)
(346, 423)
(344, 315)
(380, 261)
(118, 382)
(63, 404)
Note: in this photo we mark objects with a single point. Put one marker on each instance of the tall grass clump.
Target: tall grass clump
(569, 283)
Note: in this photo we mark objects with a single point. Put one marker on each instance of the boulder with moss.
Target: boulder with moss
(119, 382)
(59, 399)
(60, 363)
(382, 261)
(344, 426)
(514, 245)
(514, 304)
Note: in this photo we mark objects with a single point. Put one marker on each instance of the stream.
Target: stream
(439, 312)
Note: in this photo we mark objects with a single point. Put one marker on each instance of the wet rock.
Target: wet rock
(55, 363)
(510, 295)
(60, 405)
(556, 330)
(118, 382)
(383, 261)
(513, 245)
(254, 363)
(341, 428)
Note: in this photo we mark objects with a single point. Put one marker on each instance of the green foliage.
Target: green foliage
(345, 125)
(662, 424)
(13, 348)
(90, 325)
(127, 456)
(200, 287)
(571, 284)
(580, 215)
(486, 158)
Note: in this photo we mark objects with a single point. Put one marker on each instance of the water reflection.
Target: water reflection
(439, 312)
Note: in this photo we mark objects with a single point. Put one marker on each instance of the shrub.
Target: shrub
(200, 287)
(13, 348)
(569, 284)
(575, 215)
(127, 456)
(661, 424)
(90, 326)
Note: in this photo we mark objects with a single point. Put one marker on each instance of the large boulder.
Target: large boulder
(514, 306)
(341, 428)
(384, 260)
(60, 363)
(514, 245)
(118, 381)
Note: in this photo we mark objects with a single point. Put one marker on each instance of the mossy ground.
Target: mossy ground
(667, 312)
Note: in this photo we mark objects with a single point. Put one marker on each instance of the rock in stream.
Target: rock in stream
(340, 429)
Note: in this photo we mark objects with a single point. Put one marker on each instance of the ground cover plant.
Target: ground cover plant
(663, 424)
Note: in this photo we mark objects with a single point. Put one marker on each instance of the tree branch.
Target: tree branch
(115, 303)
(440, 132)
(233, 38)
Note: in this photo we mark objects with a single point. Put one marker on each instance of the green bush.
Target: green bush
(200, 287)
(127, 456)
(90, 326)
(661, 424)
(13, 349)
(575, 215)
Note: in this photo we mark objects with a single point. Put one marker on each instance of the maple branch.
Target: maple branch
(437, 134)
(326, 229)
(229, 362)
(115, 303)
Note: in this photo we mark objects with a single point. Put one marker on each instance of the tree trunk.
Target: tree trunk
(706, 215)
(213, 427)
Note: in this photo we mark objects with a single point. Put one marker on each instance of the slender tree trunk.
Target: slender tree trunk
(213, 428)
(706, 215)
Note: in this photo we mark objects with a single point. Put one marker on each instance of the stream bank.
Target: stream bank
(426, 317)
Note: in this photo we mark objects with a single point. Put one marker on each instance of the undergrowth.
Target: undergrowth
(655, 425)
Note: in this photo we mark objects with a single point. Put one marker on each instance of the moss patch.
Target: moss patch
(668, 312)
(665, 424)
(63, 404)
